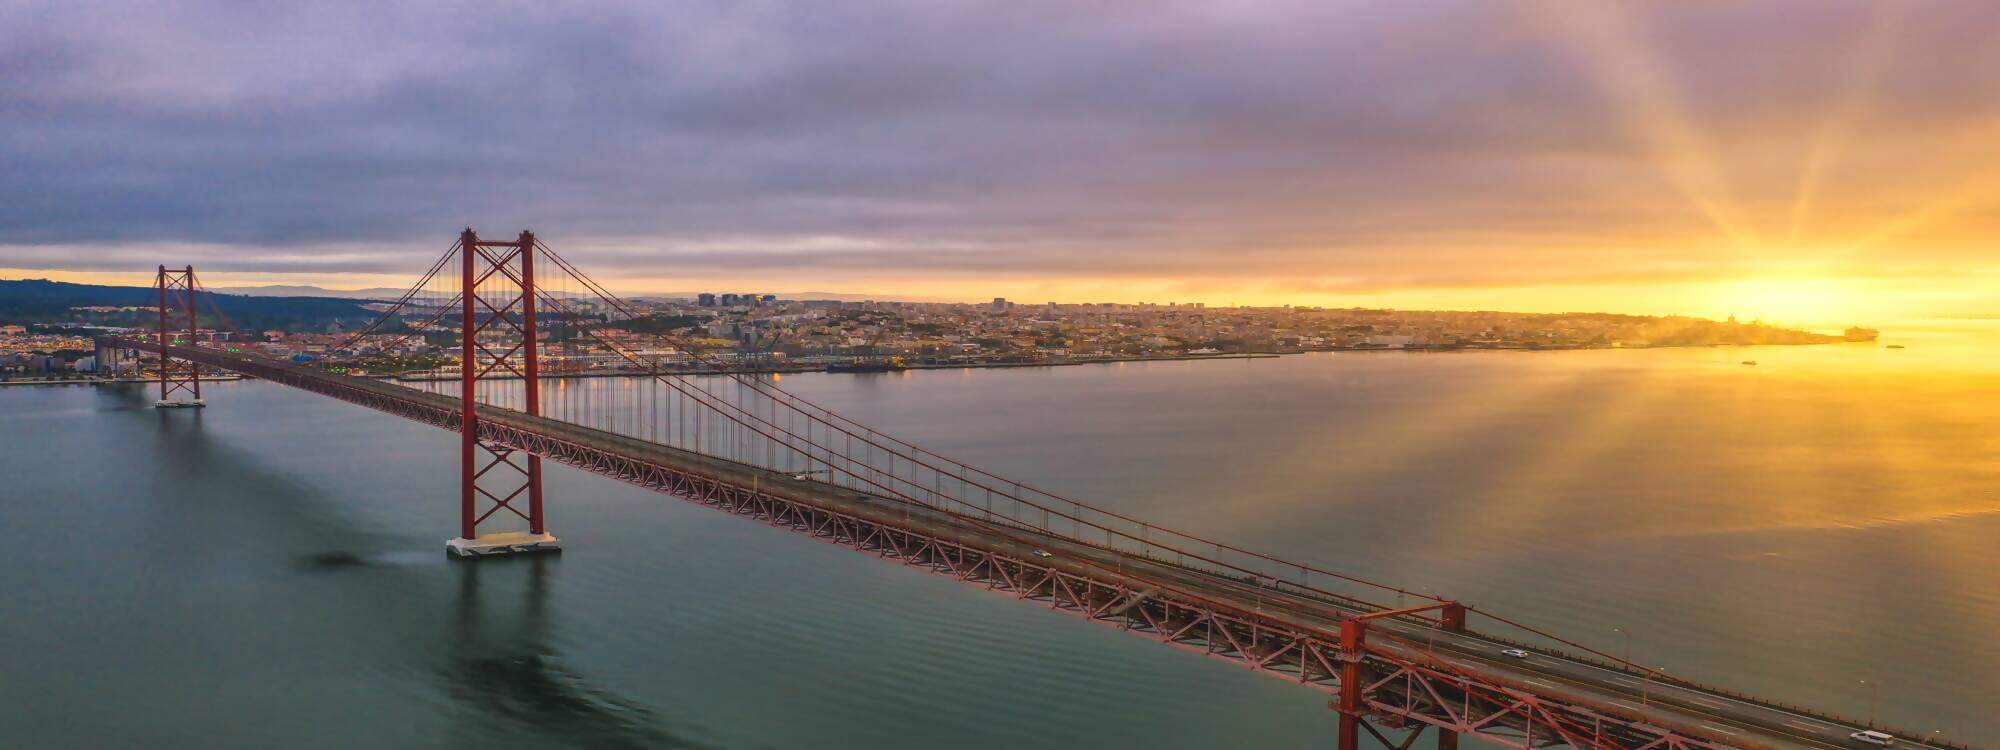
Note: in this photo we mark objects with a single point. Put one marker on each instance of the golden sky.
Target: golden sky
(1816, 162)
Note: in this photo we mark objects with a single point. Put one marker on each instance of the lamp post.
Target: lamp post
(1874, 693)
(1927, 740)
(1646, 679)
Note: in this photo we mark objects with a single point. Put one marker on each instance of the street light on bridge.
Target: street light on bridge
(1646, 679)
(1646, 684)
(1874, 693)
(1628, 643)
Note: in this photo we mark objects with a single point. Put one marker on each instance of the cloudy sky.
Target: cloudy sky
(1812, 161)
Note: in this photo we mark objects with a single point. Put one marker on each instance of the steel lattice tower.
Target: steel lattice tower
(498, 299)
(175, 289)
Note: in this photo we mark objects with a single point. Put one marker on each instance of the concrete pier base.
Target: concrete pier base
(195, 404)
(502, 543)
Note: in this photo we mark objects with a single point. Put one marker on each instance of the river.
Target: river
(270, 570)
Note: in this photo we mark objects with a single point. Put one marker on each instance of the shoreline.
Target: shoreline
(118, 381)
(801, 370)
(798, 370)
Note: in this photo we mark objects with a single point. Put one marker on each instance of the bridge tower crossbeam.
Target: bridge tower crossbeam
(497, 339)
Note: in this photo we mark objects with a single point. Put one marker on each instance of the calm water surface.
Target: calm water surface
(269, 570)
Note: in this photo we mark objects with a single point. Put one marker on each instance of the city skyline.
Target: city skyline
(1816, 164)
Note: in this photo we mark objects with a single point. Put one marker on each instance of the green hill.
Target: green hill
(40, 301)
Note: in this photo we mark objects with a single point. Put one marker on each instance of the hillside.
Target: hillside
(281, 290)
(28, 301)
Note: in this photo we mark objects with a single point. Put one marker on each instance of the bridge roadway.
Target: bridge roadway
(1692, 714)
(1720, 718)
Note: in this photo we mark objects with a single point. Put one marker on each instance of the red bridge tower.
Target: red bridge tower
(498, 283)
(176, 292)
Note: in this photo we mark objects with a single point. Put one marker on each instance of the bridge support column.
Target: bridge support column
(498, 283)
(175, 288)
(1451, 618)
(1352, 633)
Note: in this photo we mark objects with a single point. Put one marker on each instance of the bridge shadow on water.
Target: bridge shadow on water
(501, 669)
(496, 660)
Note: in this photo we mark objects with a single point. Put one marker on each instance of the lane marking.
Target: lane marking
(1707, 725)
(1671, 687)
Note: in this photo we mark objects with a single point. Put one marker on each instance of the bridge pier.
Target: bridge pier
(1352, 632)
(503, 543)
(1451, 619)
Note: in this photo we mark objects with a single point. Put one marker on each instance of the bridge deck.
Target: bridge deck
(1421, 675)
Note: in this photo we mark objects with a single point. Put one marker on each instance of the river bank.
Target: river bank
(432, 376)
(428, 376)
(109, 381)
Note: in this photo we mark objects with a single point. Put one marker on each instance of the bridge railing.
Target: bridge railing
(1556, 649)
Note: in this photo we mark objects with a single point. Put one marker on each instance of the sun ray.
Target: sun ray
(1369, 454)
(1524, 498)
(1885, 29)
(1974, 192)
(1651, 104)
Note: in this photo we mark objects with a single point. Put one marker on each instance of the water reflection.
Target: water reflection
(509, 681)
(125, 396)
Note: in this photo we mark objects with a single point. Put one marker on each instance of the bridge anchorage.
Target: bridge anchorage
(497, 340)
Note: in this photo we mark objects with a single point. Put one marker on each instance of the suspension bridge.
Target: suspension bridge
(513, 317)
